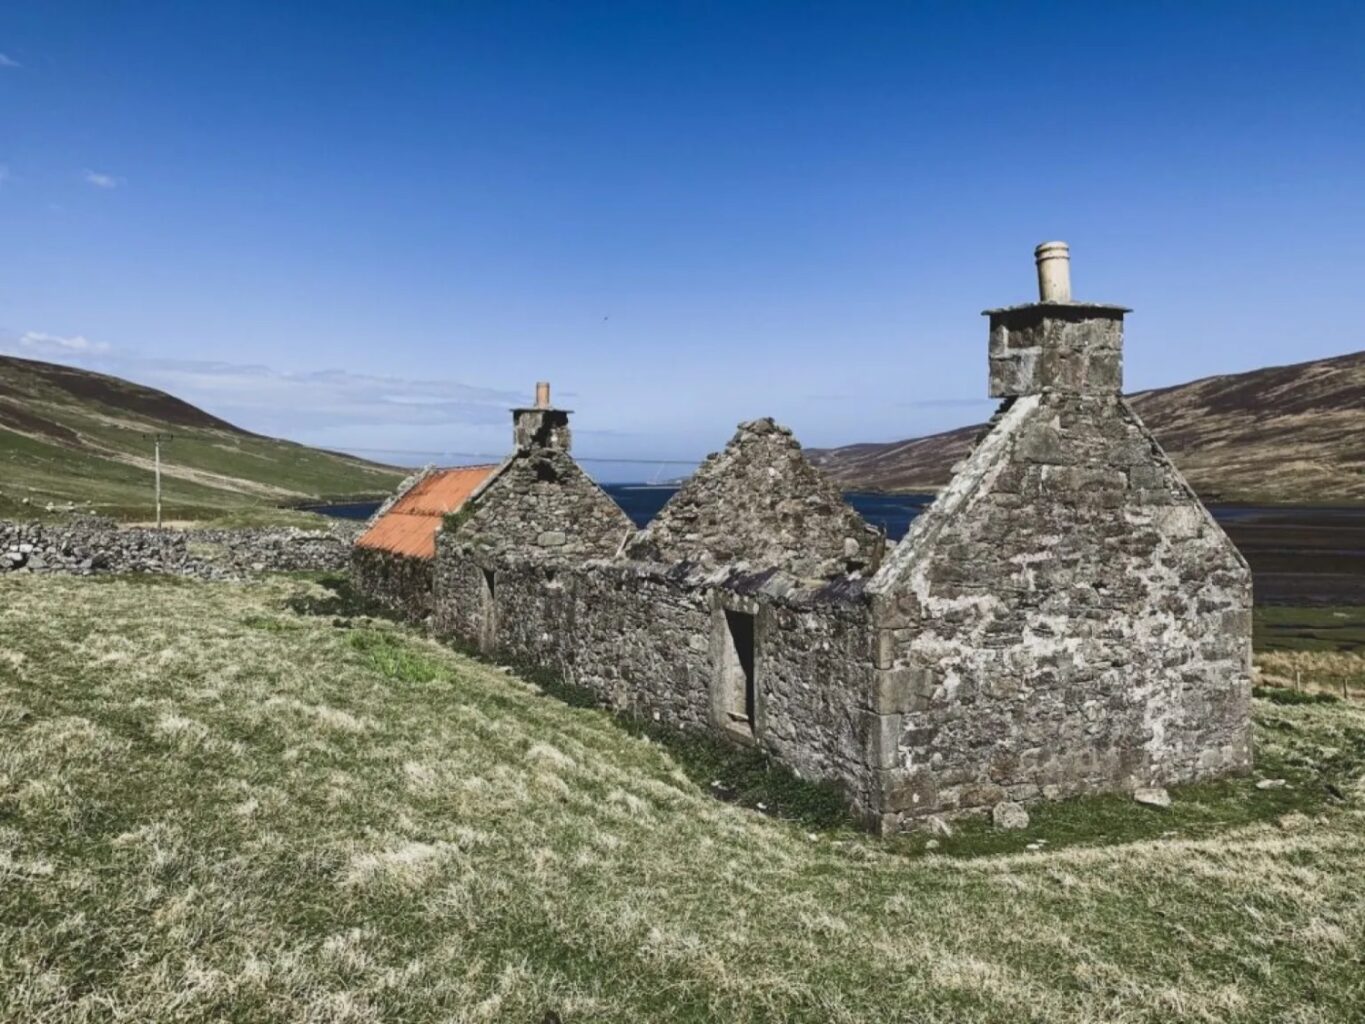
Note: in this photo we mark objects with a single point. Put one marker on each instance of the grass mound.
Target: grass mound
(223, 802)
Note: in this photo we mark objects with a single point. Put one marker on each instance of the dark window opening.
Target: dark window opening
(488, 626)
(737, 670)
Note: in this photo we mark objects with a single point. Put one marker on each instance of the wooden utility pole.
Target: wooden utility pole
(156, 443)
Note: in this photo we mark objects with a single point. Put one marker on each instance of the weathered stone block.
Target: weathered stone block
(913, 792)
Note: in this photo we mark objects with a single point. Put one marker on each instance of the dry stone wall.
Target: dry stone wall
(92, 545)
(645, 638)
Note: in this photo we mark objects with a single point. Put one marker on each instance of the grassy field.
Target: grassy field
(248, 803)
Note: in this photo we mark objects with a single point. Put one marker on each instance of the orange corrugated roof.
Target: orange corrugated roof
(409, 526)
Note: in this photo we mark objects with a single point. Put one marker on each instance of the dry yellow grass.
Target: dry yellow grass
(214, 808)
(1341, 673)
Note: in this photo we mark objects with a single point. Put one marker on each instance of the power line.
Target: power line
(500, 456)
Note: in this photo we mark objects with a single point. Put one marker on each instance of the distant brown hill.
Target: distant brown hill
(1284, 434)
(69, 435)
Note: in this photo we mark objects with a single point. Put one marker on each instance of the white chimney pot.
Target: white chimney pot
(1054, 271)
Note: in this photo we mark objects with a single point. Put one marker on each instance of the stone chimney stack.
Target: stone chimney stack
(541, 425)
(1056, 344)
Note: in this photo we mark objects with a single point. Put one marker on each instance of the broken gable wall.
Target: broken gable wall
(1066, 618)
(760, 502)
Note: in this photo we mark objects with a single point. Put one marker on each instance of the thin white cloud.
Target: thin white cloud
(38, 343)
(102, 180)
(6, 61)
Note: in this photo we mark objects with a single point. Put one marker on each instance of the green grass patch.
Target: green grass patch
(394, 658)
(1284, 695)
(1320, 629)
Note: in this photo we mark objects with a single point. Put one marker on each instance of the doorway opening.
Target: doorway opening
(738, 696)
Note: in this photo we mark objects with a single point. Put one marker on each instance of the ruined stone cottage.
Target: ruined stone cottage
(1065, 618)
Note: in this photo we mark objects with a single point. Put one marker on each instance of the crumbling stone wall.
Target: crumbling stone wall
(761, 503)
(91, 545)
(1065, 618)
(648, 636)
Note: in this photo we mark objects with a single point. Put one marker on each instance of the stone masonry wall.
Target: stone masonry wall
(91, 545)
(1065, 618)
(761, 503)
(540, 500)
(400, 582)
(644, 638)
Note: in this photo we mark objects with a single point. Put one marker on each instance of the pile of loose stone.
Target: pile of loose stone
(92, 545)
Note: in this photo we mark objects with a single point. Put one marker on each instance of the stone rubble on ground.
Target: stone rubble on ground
(939, 826)
(1008, 814)
(1154, 796)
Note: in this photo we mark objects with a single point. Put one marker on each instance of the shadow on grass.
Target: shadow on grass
(342, 602)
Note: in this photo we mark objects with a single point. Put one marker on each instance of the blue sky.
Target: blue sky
(377, 224)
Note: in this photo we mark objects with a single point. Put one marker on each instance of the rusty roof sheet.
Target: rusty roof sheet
(409, 526)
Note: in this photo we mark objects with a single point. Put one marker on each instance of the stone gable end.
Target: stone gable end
(1066, 618)
(760, 502)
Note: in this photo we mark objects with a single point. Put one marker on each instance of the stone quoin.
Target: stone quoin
(1065, 618)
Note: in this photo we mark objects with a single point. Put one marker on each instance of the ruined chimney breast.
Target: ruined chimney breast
(1056, 344)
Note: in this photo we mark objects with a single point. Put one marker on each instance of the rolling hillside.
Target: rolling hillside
(1285, 434)
(72, 436)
